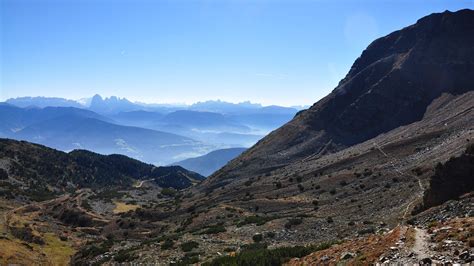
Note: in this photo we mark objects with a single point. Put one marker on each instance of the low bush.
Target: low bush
(260, 255)
(188, 246)
(257, 238)
(293, 222)
(214, 229)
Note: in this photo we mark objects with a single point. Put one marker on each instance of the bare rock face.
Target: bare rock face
(451, 179)
(391, 84)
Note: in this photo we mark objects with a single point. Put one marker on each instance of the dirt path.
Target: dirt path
(421, 246)
(143, 182)
(400, 173)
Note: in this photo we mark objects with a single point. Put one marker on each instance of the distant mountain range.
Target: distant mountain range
(155, 133)
(114, 105)
(211, 162)
(201, 127)
(68, 128)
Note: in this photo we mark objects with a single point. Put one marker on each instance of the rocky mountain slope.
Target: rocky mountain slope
(390, 85)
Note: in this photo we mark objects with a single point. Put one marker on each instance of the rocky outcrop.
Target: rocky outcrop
(451, 180)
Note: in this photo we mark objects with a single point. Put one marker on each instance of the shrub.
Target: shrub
(278, 185)
(369, 230)
(260, 255)
(299, 179)
(293, 222)
(332, 191)
(367, 172)
(213, 229)
(254, 219)
(270, 234)
(125, 255)
(3, 174)
(168, 192)
(300, 187)
(188, 246)
(257, 238)
(167, 244)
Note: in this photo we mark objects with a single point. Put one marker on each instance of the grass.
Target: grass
(56, 252)
(59, 252)
(13, 252)
(121, 207)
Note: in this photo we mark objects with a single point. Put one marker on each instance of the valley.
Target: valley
(380, 171)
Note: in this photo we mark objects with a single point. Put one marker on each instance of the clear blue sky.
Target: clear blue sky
(269, 51)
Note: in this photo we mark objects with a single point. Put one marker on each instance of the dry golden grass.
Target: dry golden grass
(368, 249)
(58, 252)
(13, 252)
(121, 207)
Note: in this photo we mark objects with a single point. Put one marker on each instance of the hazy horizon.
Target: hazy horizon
(184, 104)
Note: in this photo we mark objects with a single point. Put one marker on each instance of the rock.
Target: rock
(456, 252)
(324, 258)
(464, 255)
(426, 261)
(347, 255)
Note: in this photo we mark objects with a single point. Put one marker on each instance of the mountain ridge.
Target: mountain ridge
(389, 85)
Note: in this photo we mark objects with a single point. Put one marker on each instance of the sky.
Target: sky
(286, 52)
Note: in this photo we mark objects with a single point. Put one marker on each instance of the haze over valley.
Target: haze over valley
(155, 133)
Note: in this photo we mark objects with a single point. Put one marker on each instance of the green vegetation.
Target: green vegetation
(95, 250)
(125, 255)
(259, 255)
(86, 205)
(167, 244)
(213, 229)
(188, 246)
(188, 259)
(257, 238)
(293, 222)
(270, 234)
(255, 219)
(168, 192)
